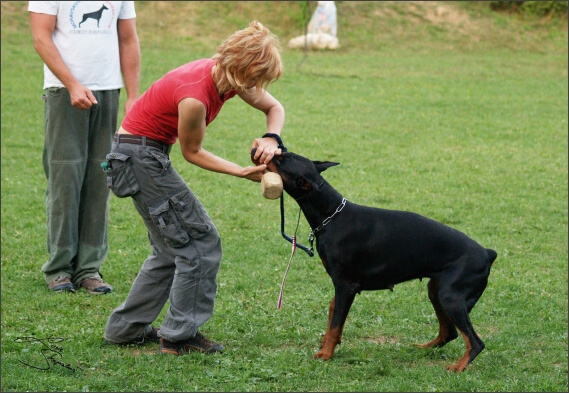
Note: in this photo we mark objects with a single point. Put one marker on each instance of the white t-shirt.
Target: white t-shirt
(86, 36)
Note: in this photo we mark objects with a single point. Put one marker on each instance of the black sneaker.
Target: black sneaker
(196, 344)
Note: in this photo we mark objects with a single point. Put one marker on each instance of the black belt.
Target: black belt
(142, 140)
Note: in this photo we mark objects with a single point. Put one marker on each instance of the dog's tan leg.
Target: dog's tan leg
(447, 330)
(330, 313)
(339, 309)
(465, 360)
(331, 339)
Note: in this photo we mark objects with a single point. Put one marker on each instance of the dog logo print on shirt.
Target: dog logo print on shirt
(94, 15)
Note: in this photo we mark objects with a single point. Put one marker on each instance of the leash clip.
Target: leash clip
(311, 240)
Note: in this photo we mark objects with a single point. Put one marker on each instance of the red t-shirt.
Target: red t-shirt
(155, 113)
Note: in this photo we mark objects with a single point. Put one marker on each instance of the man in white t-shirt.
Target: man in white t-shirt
(85, 46)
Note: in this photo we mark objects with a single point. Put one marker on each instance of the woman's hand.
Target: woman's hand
(267, 148)
(254, 173)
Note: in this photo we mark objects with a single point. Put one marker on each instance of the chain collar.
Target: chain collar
(325, 222)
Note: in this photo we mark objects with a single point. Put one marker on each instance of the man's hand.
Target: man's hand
(82, 97)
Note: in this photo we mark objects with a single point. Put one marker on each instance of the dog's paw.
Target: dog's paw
(323, 355)
(435, 343)
(459, 366)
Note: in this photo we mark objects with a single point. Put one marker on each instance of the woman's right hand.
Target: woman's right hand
(254, 173)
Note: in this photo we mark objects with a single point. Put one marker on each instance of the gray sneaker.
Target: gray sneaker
(96, 286)
(61, 284)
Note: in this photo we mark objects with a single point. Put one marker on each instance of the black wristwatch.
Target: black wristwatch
(278, 139)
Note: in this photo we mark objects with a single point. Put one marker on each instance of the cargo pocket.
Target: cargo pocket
(191, 213)
(179, 218)
(169, 226)
(120, 175)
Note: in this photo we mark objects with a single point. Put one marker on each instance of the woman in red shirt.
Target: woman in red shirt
(186, 248)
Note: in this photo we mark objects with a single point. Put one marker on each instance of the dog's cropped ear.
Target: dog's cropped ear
(321, 166)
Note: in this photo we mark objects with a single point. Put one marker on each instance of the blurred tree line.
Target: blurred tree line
(534, 8)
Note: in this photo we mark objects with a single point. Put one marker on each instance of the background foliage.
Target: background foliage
(449, 109)
(535, 8)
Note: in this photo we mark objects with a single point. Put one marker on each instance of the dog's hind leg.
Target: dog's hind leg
(339, 309)
(447, 330)
(457, 305)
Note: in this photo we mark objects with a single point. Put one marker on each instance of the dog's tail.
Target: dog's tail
(492, 255)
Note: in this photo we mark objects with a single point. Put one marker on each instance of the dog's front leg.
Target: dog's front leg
(339, 309)
(330, 313)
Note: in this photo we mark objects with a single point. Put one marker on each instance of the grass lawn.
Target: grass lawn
(465, 123)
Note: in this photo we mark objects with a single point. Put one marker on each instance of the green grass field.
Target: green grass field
(456, 113)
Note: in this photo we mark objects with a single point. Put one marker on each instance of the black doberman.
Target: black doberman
(366, 248)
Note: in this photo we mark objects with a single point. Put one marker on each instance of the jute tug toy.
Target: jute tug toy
(271, 185)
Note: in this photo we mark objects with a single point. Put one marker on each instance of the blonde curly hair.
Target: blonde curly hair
(248, 58)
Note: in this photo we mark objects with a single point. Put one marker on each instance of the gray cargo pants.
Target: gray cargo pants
(186, 248)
